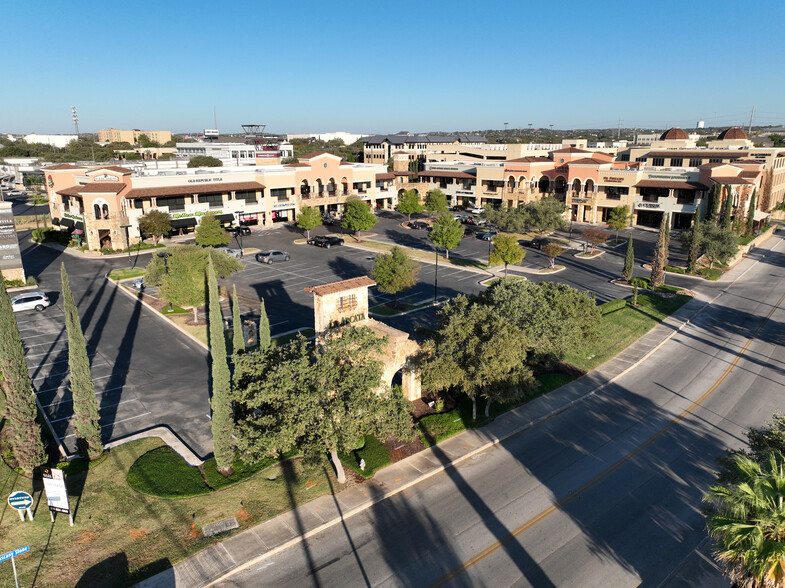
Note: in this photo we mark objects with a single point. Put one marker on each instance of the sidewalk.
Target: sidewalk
(250, 546)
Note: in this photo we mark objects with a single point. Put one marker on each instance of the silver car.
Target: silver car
(271, 256)
(30, 301)
(230, 251)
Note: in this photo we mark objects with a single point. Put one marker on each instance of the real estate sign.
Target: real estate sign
(56, 494)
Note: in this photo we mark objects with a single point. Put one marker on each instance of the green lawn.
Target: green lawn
(121, 536)
(619, 329)
(375, 454)
(424, 255)
(438, 427)
(124, 272)
(284, 339)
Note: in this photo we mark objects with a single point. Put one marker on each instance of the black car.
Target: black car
(239, 231)
(537, 242)
(325, 241)
(330, 220)
(487, 236)
(419, 225)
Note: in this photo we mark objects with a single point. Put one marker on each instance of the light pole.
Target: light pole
(436, 274)
(238, 236)
(128, 245)
(165, 256)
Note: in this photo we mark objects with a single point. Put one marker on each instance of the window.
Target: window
(658, 161)
(247, 195)
(173, 202)
(715, 160)
(695, 162)
(348, 302)
(280, 193)
(677, 161)
(641, 159)
(105, 211)
(138, 204)
(214, 200)
(97, 211)
(624, 157)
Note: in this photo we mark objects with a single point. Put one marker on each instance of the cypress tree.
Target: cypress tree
(715, 198)
(220, 401)
(693, 252)
(238, 340)
(728, 210)
(751, 214)
(629, 261)
(80, 380)
(264, 329)
(17, 391)
(660, 254)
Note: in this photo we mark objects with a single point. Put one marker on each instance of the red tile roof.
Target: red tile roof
(729, 180)
(94, 188)
(193, 189)
(447, 174)
(587, 161)
(570, 150)
(724, 153)
(385, 176)
(61, 166)
(404, 173)
(531, 159)
(317, 154)
(334, 287)
(114, 168)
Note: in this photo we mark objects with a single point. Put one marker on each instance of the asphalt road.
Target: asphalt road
(605, 494)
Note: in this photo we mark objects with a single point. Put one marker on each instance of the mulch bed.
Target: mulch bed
(402, 449)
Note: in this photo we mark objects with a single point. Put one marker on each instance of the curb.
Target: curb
(155, 312)
(446, 262)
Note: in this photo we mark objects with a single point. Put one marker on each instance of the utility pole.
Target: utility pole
(75, 118)
(752, 114)
(618, 131)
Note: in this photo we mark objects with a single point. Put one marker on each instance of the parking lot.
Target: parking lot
(46, 350)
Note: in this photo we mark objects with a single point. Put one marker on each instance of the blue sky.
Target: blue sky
(388, 66)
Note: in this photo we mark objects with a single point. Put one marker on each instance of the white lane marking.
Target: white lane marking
(114, 423)
(71, 399)
(58, 387)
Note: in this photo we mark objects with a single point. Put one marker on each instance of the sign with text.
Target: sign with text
(105, 178)
(10, 256)
(56, 494)
(20, 500)
(14, 553)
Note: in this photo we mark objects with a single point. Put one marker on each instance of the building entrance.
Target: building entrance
(649, 218)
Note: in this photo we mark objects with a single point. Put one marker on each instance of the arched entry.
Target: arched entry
(305, 189)
(589, 188)
(344, 186)
(331, 187)
(319, 187)
(544, 184)
(576, 185)
(561, 185)
(510, 184)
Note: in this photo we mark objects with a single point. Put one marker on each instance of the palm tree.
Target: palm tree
(748, 522)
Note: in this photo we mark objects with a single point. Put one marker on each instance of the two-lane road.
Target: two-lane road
(607, 493)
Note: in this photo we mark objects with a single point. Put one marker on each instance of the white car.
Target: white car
(230, 251)
(30, 301)
(477, 210)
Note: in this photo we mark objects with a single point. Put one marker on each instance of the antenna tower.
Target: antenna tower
(75, 117)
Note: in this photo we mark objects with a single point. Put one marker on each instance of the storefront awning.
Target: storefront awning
(55, 221)
(674, 185)
(79, 225)
(760, 215)
(67, 222)
(224, 218)
(181, 223)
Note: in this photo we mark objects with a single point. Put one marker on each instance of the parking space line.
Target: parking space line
(50, 352)
(114, 423)
(42, 335)
(99, 410)
(38, 365)
(469, 277)
(71, 399)
(61, 385)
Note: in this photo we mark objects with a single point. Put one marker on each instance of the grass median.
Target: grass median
(421, 255)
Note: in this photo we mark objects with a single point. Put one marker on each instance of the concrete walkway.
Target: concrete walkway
(249, 547)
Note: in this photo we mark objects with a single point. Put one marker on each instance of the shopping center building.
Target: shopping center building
(105, 201)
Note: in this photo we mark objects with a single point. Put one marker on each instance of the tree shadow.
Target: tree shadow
(290, 477)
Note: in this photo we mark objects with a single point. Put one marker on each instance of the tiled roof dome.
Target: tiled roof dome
(733, 133)
(674, 134)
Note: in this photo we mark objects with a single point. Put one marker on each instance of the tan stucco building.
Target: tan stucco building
(132, 136)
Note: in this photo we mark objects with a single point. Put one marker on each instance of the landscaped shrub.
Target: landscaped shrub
(161, 472)
(641, 283)
(675, 270)
(14, 283)
(242, 471)
(612, 305)
(375, 454)
(710, 273)
(31, 281)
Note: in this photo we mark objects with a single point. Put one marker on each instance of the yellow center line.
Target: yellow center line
(542, 515)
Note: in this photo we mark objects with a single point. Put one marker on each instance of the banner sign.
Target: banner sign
(56, 494)
(14, 553)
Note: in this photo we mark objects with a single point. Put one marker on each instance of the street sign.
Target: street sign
(20, 501)
(14, 553)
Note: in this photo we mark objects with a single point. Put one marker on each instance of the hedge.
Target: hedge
(675, 270)
(375, 454)
(612, 306)
(161, 472)
(641, 283)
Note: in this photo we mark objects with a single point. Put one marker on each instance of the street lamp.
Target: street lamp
(436, 273)
(128, 245)
(165, 256)
(238, 236)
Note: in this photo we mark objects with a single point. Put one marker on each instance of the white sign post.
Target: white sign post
(56, 494)
(11, 555)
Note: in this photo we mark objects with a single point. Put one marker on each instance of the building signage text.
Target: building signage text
(205, 180)
(681, 177)
(105, 178)
(611, 180)
(196, 213)
(355, 318)
(284, 205)
(73, 216)
(647, 205)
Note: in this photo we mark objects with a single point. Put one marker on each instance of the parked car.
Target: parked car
(239, 231)
(477, 210)
(467, 220)
(30, 301)
(419, 225)
(271, 256)
(487, 235)
(325, 241)
(458, 208)
(230, 251)
(138, 284)
(537, 242)
(468, 231)
(330, 220)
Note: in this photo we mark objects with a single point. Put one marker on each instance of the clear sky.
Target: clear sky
(389, 66)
